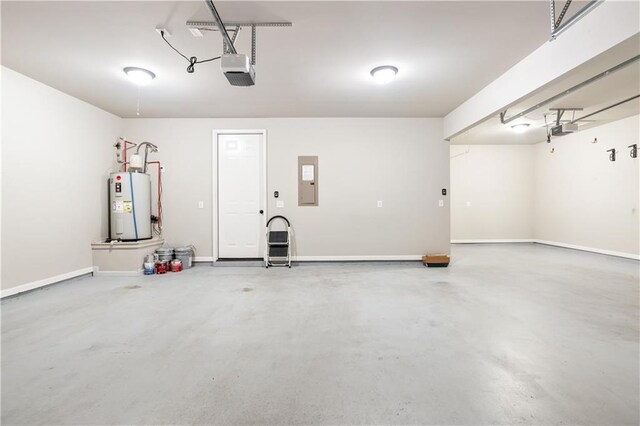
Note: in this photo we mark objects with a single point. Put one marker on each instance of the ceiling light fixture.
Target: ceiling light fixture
(520, 128)
(384, 74)
(139, 76)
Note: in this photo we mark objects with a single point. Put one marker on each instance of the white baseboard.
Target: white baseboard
(555, 244)
(590, 249)
(203, 259)
(337, 258)
(492, 241)
(44, 282)
(354, 258)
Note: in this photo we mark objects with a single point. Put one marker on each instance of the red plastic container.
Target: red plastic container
(176, 266)
(162, 266)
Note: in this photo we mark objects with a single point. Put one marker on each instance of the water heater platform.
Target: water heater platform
(122, 258)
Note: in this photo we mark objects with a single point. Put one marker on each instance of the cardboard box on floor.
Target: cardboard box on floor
(436, 260)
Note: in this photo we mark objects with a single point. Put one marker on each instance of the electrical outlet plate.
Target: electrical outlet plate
(161, 28)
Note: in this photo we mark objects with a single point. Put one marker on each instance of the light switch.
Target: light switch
(279, 204)
(440, 203)
(201, 204)
(379, 203)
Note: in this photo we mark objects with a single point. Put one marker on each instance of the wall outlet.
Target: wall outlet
(162, 28)
(201, 204)
(440, 203)
(379, 203)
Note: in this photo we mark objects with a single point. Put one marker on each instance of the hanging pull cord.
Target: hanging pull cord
(192, 60)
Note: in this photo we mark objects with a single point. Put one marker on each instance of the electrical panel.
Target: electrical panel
(308, 181)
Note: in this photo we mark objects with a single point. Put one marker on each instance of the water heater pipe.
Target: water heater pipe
(154, 148)
(147, 145)
(159, 192)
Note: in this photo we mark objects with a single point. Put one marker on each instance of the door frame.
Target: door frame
(215, 224)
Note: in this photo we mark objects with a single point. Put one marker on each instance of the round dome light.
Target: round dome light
(139, 76)
(384, 74)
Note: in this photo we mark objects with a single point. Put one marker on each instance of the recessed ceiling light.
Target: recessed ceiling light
(520, 128)
(384, 74)
(139, 76)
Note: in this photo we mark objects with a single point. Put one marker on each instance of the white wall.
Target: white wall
(491, 192)
(574, 197)
(56, 151)
(403, 162)
(582, 198)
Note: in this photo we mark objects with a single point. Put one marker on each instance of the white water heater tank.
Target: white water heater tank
(129, 206)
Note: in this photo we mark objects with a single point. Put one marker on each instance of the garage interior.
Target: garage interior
(320, 212)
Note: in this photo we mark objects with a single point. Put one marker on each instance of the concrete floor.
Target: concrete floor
(511, 334)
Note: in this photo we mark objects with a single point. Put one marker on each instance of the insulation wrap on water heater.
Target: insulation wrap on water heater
(130, 206)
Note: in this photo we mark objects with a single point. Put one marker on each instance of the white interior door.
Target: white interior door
(240, 196)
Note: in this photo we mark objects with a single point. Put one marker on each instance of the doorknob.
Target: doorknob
(261, 211)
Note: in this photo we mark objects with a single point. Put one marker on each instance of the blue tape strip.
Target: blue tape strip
(133, 206)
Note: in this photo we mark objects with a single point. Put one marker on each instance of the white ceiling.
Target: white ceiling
(446, 52)
(609, 90)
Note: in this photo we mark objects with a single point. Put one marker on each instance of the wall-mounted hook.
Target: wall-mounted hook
(553, 150)
(634, 150)
(612, 156)
(595, 140)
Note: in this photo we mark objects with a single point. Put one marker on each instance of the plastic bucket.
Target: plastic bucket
(165, 254)
(185, 255)
(162, 266)
(176, 266)
(149, 268)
